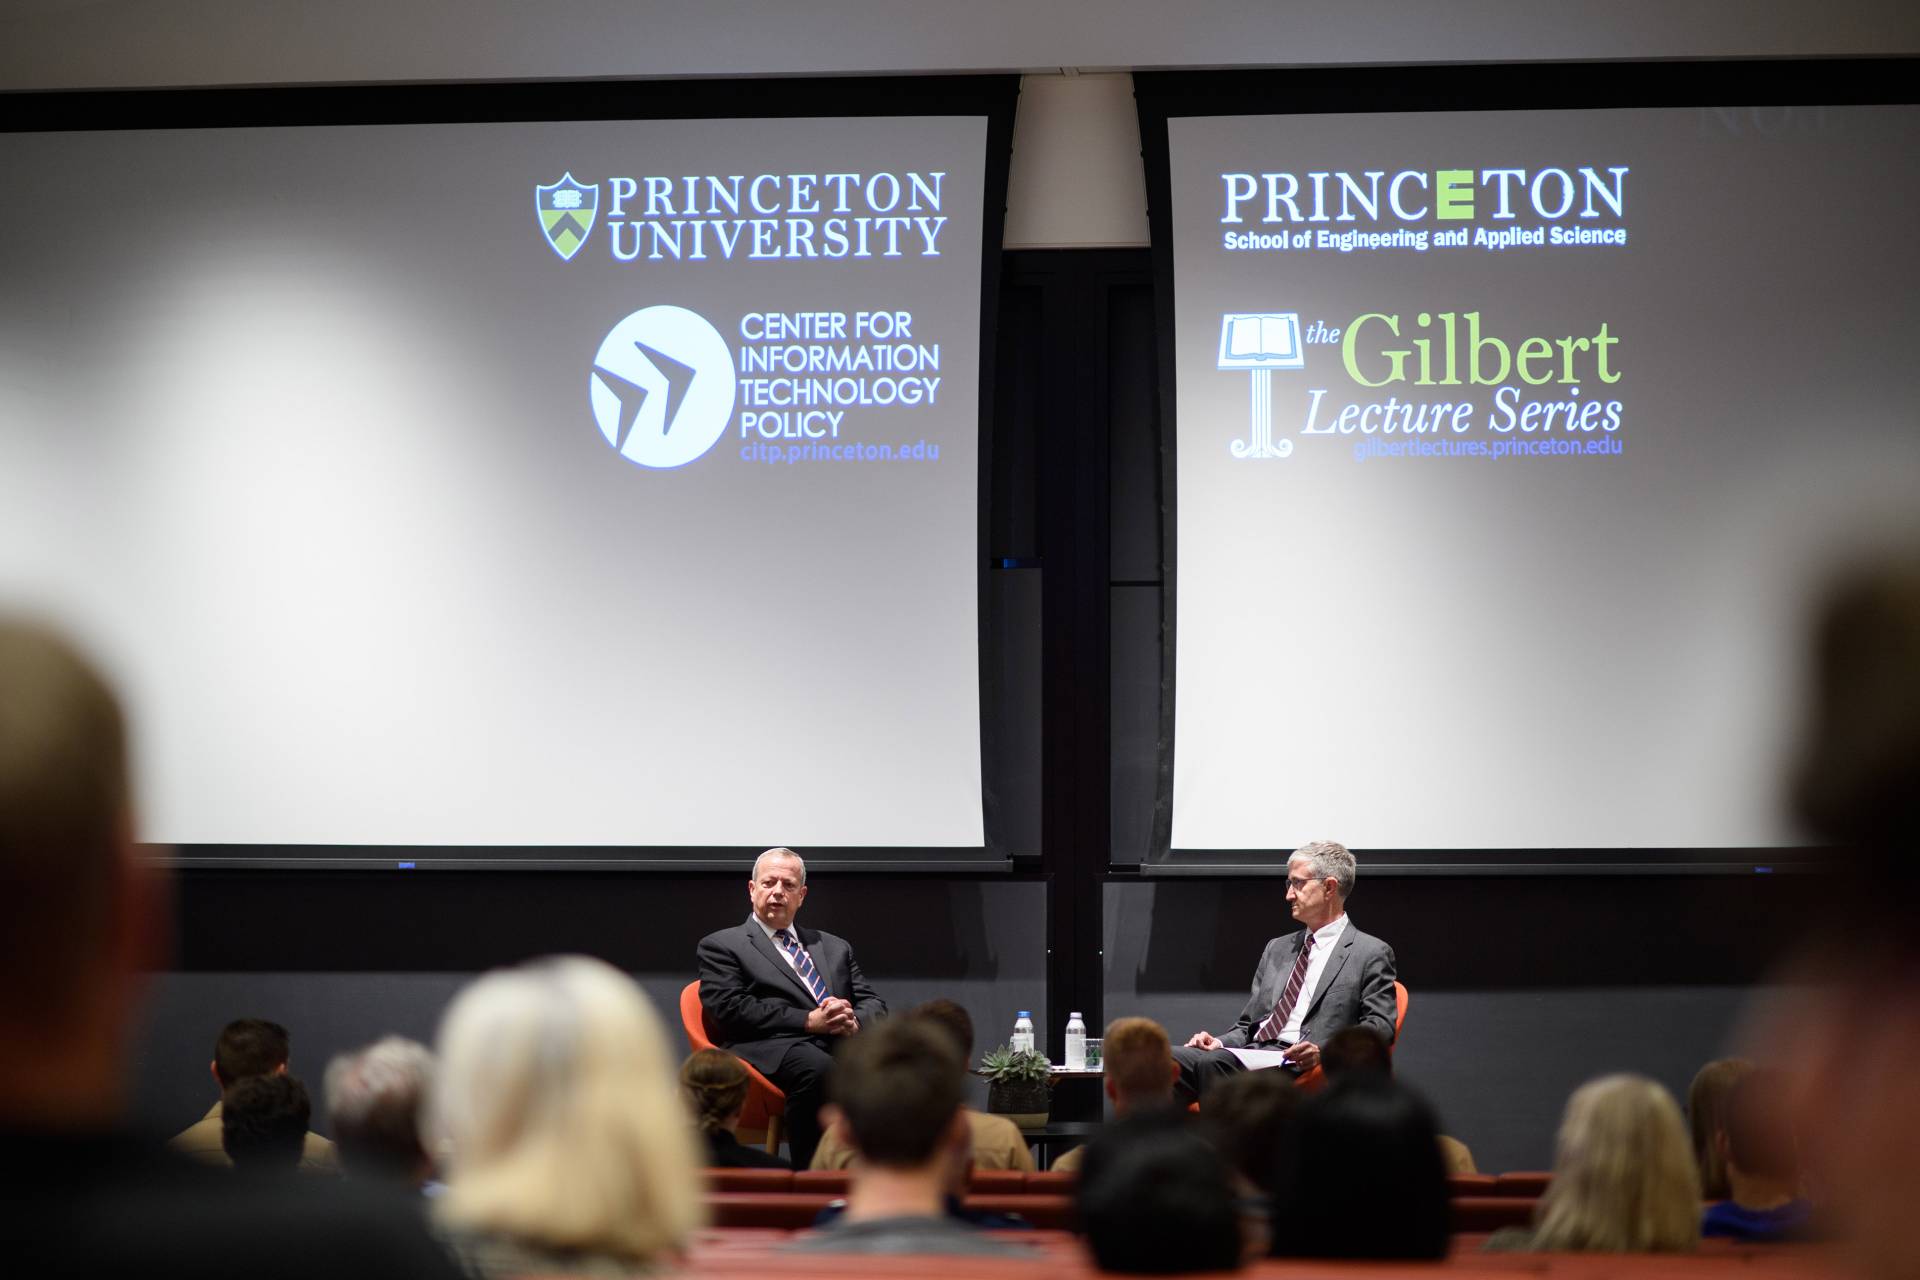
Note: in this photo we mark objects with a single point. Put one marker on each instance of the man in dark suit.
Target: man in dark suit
(82, 923)
(1310, 984)
(780, 995)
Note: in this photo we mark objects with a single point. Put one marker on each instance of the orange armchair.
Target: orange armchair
(1317, 1079)
(766, 1104)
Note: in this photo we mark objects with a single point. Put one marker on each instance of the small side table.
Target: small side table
(1058, 1135)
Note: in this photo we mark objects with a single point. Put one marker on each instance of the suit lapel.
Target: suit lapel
(1331, 972)
(757, 938)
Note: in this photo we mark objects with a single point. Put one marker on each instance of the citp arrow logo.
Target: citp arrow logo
(662, 386)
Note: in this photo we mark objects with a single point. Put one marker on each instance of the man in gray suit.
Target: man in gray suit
(1310, 984)
(779, 995)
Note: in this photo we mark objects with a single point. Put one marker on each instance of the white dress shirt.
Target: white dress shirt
(1323, 939)
(786, 955)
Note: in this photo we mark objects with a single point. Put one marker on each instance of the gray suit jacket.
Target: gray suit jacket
(757, 1002)
(1356, 989)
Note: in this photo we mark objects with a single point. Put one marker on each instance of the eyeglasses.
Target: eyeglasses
(1297, 883)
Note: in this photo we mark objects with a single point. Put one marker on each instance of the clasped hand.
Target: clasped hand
(832, 1017)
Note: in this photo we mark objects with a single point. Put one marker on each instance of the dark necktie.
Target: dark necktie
(803, 965)
(1283, 1008)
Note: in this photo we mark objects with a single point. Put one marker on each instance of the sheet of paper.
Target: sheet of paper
(1256, 1059)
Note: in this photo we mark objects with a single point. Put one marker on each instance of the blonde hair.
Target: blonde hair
(560, 1113)
(1707, 1113)
(65, 828)
(1138, 1059)
(1623, 1174)
(716, 1087)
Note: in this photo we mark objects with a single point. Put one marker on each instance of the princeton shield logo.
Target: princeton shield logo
(566, 212)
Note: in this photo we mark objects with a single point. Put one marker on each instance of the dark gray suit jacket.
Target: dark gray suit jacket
(757, 1002)
(1356, 989)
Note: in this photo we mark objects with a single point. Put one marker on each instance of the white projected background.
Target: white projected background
(1532, 652)
(298, 432)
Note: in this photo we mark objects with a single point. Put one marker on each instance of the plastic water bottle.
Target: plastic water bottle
(1076, 1043)
(1022, 1032)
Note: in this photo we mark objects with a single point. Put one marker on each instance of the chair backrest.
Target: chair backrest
(1490, 1213)
(1399, 1009)
(765, 1103)
(1527, 1183)
(693, 1017)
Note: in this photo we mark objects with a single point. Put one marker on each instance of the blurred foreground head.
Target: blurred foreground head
(1854, 1040)
(900, 1084)
(561, 1114)
(374, 1099)
(1370, 1131)
(78, 918)
(1155, 1199)
(1858, 783)
(1624, 1180)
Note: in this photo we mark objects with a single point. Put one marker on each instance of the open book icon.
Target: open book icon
(1261, 340)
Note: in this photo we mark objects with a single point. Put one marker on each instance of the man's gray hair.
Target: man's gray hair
(778, 852)
(374, 1096)
(1330, 858)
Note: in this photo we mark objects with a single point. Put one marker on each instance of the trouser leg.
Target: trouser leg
(1200, 1069)
(803, 1078)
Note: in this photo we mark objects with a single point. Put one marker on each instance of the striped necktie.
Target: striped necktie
(1283, 1008)
(802, 964)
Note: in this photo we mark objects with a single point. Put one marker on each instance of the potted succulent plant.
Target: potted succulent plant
(1018, 1086)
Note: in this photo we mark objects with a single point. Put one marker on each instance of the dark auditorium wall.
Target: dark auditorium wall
(1520, 988)
(344, 957)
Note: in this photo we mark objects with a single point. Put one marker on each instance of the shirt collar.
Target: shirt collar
(770, 931)
(1327, 933)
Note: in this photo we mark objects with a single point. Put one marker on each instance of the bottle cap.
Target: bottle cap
(1074, 1014)
(1025, 1014)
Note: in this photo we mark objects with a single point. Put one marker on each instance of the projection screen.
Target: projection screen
(572, 483)
(1509, 446)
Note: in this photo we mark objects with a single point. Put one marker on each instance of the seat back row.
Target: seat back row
(1009, 1182)
(1005, 1182)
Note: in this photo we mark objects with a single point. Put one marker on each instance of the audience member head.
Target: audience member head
(898, 1087)
(1756, 1141)
(716, 1089)
(1137, 1060)
(1367, 1131)
(1249, 1117)
(374, 1098)
(952, 1019)
(79, 920)
(1155, 1198)
(1354, 1051)
(557, 1103)
(1623, 1174)
(263, 1123)
(1707, 1116)
(249, 1047)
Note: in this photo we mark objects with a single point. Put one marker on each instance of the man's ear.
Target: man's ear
(214, 1067)
(280, 1070)
(1113, 1094)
